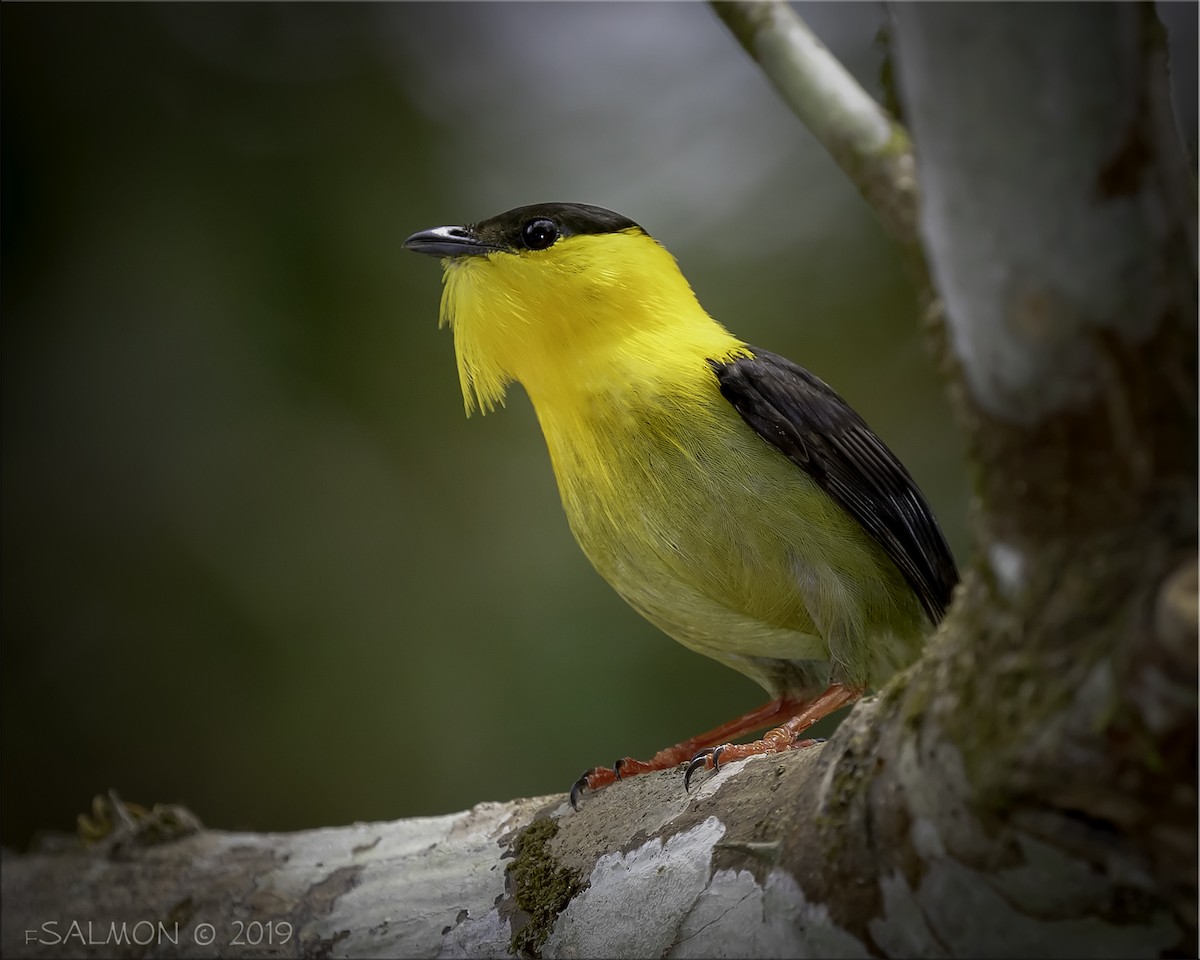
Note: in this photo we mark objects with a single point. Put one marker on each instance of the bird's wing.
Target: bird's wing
(802, 417)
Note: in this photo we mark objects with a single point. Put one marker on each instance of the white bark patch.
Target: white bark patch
(1008, 566)
(662, 900)
(637, 900)
(489, 936)
(451, 875)
(735, 917)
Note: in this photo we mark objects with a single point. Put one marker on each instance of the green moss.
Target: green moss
(914, 695)
(899, 143)
(542, 887)
(846, 795)
(113, 820)
(1017, 679)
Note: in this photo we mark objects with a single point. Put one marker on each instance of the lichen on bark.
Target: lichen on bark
(541, 887)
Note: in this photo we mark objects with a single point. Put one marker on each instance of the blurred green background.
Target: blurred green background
(255, 559)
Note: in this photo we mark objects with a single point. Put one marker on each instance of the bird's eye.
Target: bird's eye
(539, 234)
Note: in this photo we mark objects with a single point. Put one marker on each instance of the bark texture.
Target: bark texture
(1029, 787)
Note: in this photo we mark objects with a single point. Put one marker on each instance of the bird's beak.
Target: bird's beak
(448, 242)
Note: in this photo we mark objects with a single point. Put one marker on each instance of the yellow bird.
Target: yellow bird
(730, 496)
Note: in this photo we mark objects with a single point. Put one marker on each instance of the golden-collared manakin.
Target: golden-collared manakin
(729, 495)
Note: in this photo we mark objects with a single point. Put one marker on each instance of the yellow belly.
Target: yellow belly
(728, 547)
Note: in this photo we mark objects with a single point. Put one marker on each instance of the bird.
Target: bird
(730, 496)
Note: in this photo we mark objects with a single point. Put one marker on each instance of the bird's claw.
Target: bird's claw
(603, 776)
(577, 789)
(702, 759)
(594, 779)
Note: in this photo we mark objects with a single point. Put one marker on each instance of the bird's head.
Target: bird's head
(544, 292)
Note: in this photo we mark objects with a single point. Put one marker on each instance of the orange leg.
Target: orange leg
(784, 737)
(774, 712)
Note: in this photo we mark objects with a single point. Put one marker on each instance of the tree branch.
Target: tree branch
(870, 146)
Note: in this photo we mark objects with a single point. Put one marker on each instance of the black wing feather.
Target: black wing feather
(801, 416)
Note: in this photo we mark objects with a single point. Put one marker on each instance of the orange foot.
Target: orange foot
(776, 711)
(784, 737)
(794, 715)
